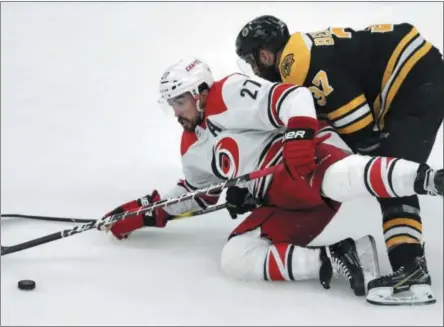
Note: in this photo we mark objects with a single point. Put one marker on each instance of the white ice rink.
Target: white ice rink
(81, 133)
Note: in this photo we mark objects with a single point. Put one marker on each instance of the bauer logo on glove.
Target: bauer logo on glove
(298, 134)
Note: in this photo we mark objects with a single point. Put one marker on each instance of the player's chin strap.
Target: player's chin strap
(198, 107)
(107, 221)
(201, 110)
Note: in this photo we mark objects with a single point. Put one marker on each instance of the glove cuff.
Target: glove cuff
(303, 123)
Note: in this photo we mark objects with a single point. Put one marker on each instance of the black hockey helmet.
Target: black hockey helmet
(264, 32)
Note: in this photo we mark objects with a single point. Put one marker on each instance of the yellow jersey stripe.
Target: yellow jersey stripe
(358, 125)
(353, 104)
(395, 55)
(391, 66)
(411, 62)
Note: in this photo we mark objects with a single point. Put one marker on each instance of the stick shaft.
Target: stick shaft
(100, 223)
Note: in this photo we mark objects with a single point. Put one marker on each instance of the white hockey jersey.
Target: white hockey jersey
(241, 132)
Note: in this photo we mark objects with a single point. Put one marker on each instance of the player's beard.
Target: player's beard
(270, 74)
(189, 125)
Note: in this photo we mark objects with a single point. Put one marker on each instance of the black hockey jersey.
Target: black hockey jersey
(357, 76)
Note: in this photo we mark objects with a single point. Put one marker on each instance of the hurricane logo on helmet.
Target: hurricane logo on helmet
(225, 162)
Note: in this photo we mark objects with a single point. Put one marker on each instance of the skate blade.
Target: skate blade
(368, 256)
(416, 295)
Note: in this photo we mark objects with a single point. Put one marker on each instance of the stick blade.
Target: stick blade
(5, 250)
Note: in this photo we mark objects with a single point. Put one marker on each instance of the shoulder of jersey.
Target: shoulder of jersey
(218, 94)
(215, 105)
(188, 139)
(296, 58)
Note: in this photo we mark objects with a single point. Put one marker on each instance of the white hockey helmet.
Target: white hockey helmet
(188, 75)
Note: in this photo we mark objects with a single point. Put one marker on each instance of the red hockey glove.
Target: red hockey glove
(122, 228)
(299, 145)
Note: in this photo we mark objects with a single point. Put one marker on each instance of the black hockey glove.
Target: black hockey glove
(239, 201)
(371, 143)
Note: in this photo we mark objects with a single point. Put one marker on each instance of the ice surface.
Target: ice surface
(81, 133)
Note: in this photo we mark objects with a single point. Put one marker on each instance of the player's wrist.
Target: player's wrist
(303, 123)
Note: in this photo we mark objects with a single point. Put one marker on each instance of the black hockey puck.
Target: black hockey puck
(26, 285)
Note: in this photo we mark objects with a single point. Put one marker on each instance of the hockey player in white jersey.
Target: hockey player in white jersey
(241, 124)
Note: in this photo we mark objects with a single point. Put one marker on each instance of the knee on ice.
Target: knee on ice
(243, 256)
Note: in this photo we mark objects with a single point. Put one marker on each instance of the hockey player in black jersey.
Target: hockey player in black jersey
(382, 89)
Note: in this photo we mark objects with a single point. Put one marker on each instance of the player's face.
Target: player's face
(262, 65)
(266, 63)
(185, 109)
(248, 65)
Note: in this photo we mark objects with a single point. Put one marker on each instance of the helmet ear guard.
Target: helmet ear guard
(202, 87)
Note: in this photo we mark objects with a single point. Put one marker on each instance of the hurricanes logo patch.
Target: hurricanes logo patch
(225, 163)
(286, 65)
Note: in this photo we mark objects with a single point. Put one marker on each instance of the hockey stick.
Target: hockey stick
(198, 212)
(81, 220)
(100, 223)
(58, 219)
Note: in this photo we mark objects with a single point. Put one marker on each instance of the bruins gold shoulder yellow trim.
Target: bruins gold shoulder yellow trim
(295, 59)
